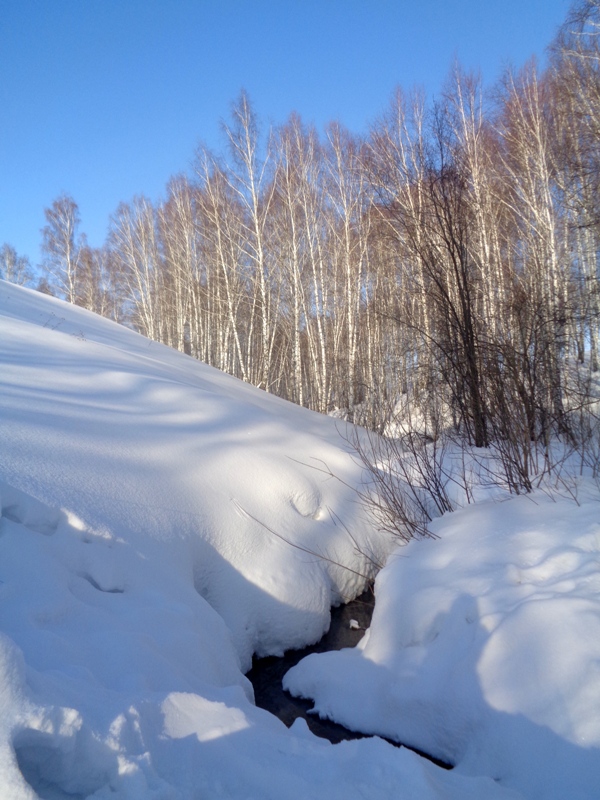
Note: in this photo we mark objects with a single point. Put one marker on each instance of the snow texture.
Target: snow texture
(143, 496)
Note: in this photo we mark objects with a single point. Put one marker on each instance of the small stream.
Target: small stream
(267, 673)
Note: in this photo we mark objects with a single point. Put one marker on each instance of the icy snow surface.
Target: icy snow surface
(138, 576)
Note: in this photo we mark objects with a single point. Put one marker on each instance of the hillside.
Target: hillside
(138, 575)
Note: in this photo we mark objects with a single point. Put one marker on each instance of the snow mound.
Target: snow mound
(484, 648)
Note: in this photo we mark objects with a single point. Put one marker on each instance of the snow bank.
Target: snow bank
(484, 648)
(138, 574)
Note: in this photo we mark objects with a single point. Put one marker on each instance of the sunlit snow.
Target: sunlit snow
(139, 572)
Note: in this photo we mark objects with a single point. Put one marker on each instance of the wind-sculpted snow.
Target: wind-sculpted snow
(143, 500)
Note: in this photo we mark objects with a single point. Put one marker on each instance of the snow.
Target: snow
(136, 440)
(484, 648)
(160, 523)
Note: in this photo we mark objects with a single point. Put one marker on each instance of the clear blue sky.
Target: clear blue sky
(105, 99)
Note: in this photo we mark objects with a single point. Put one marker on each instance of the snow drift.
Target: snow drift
(484, 647)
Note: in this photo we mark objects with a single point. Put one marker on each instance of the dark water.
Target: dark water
(267, 673)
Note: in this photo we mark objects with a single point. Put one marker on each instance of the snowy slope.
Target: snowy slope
(135, 439)
(138, 574)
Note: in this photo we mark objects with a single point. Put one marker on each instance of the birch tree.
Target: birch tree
(13, 267)
(61, 247)
(251, 182)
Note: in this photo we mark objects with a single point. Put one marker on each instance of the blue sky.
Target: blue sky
(105, 99)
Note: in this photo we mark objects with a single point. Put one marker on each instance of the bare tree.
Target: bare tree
(13, 267)
(61, 247)
(251, 182)
(134, 244)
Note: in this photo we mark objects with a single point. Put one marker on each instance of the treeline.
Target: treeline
(450, 257)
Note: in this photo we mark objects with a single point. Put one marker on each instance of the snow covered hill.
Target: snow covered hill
(152, 453)
(138, 574)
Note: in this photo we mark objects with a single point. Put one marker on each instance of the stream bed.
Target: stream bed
(267, 673)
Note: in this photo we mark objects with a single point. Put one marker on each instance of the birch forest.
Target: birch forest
(446, 261)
